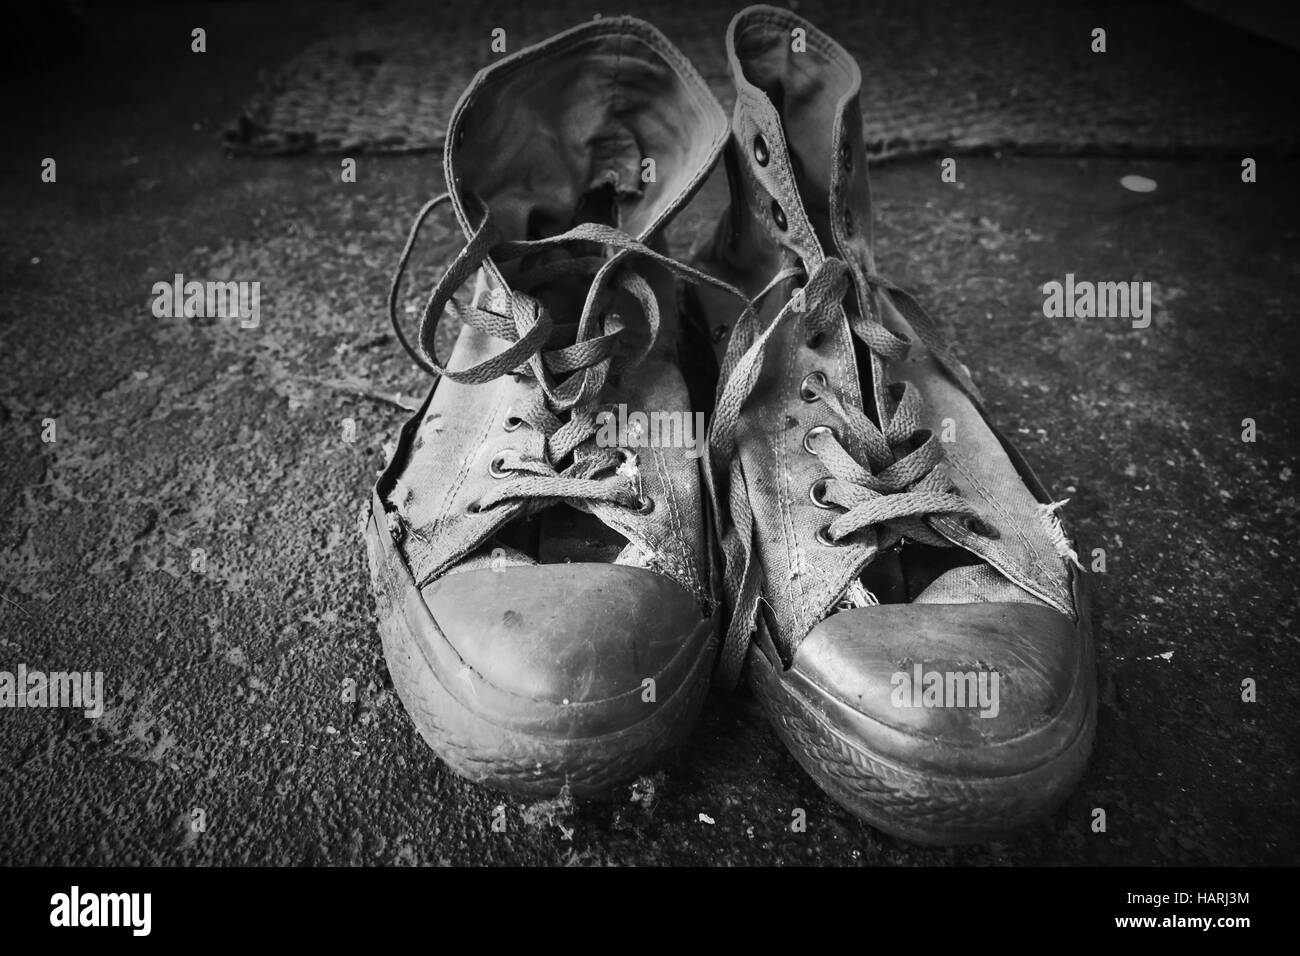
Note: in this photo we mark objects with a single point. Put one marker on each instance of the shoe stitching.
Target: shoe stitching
(1042, 584)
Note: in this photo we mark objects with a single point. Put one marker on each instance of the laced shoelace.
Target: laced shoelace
(884, 480)
(571, 366)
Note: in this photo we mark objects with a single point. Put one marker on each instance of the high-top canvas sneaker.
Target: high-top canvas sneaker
(539, 557)
(909, 607)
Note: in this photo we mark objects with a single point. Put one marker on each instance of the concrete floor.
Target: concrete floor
(226, 690)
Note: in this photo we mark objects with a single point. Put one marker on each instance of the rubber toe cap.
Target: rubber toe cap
(959, 688)
(565, 633)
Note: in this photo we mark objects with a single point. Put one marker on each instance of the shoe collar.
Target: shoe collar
(629, 92)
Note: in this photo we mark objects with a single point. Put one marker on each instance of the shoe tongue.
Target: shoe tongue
(903, 574)
(563, 297)
(599, 204)
(567, 535)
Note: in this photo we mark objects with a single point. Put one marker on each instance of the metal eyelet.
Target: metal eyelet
(474, 508)
(778, 216)
(512, 422)
(817, 494)
(814, 432)
(977, 525)
(497, 469)
(815, 340)
(645, 504)
(761, 153)
(823, 537)
(720, 333)
(809, 380)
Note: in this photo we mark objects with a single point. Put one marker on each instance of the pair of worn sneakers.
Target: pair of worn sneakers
(562, 568)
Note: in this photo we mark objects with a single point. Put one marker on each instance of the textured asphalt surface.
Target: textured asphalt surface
(228, 691)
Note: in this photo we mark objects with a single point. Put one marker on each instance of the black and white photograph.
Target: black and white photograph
(842, 435)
